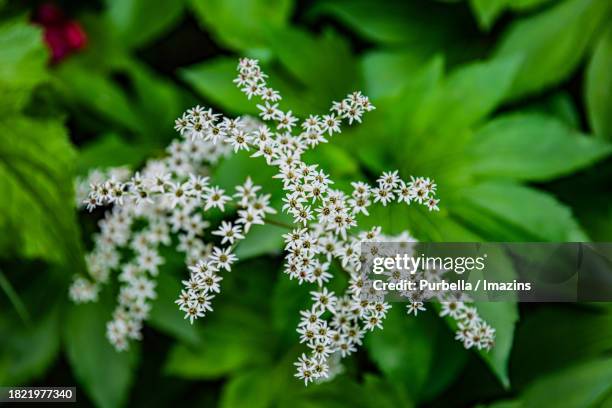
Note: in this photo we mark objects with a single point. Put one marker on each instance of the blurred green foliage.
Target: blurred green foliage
(506, 103)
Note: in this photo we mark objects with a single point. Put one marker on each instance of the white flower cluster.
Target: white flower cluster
(325, 216)
(171, 197)
(167, 199)
(472, 330)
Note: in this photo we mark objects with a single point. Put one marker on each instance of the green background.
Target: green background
(507, 104)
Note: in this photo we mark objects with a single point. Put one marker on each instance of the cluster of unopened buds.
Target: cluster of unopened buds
(172, 196)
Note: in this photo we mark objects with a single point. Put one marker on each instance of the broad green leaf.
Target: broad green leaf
(468, 95)
(402, 350)
(397, 23)
(502, 316)
(443, 228)
(213, 80)
(487, 11)
(506, 404)
(252, 388)
(552, 43)
(158, 101)
(560, 105)
(238, 167)
(526, 5)
(538, 351)
(287, 300)
(384, 394)
(27, 351)
(412, 351)
(391, 122)
(104, 374)
(448, 361)
(262, 240)
(506, 211)
(23, 59)
(165, 314)
(599, 88)
(232, 338)
(36, 186)
(333, 160)
(96, 93)
(324, 65)
(138, 22)
(110, 150)
(584, 385)
(241, 25)
(388, 72)
(341, 392)
(531, 147)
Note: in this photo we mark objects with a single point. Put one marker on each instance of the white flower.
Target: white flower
(324, 300)
(330, 124)
(215, 198)
(285, 120)
(239, 140)
(415, 307)
(269, 111)
(223, 258)
(229, 232)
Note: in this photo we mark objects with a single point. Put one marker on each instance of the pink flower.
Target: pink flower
(62, 35)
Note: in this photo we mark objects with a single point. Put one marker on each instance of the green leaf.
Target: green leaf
(584, 385)
(23, 59)
(397, 23)
(238, 167)
(249, 388)
(213, 80)
(387, 72)
(487, 11)
(552, 43)
(532, 147)
(560, 105)
(333, 160)
(158, 101)
(341, 392)
(381, 393)
(110, 150)
(232, 338)
(402, 350)
(538, 351)
(93, 90)
(36, 169)
(105, 374)
(288, 299)
(26, 352)
(468, 95)
(241, 25)
(599, 88)
(323, 65)
(165, 315)
(138, 22)
(507, 211)
(526, 5)
(262, 240)
(502, 316)
(411, 352)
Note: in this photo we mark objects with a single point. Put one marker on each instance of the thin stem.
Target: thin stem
(278, 223)
(14, 298)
